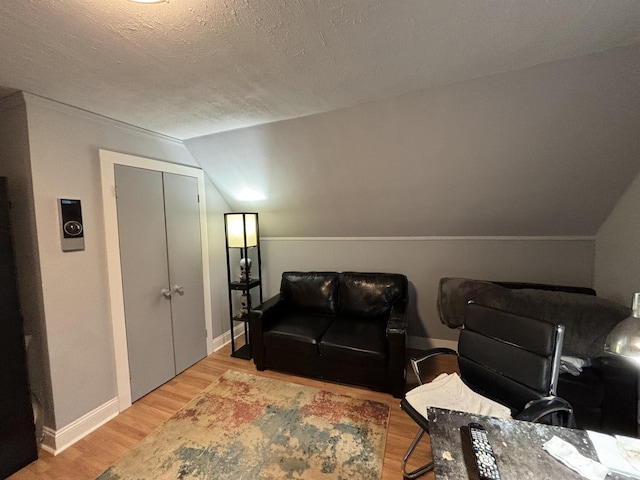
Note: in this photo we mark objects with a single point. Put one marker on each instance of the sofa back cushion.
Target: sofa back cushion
(587, 319)
(311, 291)
(370, 294)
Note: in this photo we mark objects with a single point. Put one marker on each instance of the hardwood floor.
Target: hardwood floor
(93, 454)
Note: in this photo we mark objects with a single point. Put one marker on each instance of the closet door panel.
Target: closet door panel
(182, 213)
(143, 256)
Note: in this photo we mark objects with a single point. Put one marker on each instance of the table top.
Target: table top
(517, 446)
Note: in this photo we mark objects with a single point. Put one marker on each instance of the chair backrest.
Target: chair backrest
(509, 358)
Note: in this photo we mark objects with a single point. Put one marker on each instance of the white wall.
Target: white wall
(617, 263)
(425, 260)
(64, 145)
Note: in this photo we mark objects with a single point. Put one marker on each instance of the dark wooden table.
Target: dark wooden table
(517, 446)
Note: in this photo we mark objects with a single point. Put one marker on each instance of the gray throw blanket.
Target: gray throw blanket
(587, 319)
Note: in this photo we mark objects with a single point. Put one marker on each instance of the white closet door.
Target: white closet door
(143, 257)
(182, 215)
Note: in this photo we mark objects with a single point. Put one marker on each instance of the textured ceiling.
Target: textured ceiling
(546, 150)
(193, 67)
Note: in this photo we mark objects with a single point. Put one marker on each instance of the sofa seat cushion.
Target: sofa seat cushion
(357, 341)
(303, 329)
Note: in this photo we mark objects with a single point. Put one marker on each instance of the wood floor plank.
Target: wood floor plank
(94, 453)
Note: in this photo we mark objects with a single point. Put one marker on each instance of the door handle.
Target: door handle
(165, 292)
(178, 289)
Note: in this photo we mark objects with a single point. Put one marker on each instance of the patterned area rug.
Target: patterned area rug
(248, 427)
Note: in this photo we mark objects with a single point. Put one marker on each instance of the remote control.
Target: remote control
(483, 453)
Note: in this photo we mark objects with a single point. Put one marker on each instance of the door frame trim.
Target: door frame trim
(108, 161)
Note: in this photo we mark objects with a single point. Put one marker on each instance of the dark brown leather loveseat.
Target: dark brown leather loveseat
(346, 327)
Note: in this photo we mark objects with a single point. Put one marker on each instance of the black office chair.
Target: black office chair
(507, 358)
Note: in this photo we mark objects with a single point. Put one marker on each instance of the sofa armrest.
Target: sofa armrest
(397, 323)
(270, 307)
(259, 318)
(396, 344)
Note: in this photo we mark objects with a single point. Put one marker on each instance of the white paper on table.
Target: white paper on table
(607, 449)
(630, 450)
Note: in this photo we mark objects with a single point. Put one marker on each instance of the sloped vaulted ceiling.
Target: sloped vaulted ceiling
(414, 117)
(546, 150)
(188, 68)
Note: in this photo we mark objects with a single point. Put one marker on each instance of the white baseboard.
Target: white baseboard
(55, 441)
(225, 338)
(424, 343)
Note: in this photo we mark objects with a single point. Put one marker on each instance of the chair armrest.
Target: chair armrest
(536, 409)
(417, 361)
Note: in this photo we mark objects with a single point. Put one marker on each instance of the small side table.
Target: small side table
(243, 352)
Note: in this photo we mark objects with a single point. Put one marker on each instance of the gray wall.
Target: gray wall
(426, 260)
(533, 161)
(216, 207)
(59, 158)
(543, 151)
(617, 265)
(479, 158)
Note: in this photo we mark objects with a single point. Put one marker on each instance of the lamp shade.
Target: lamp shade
(624, 339)
(240, 226)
